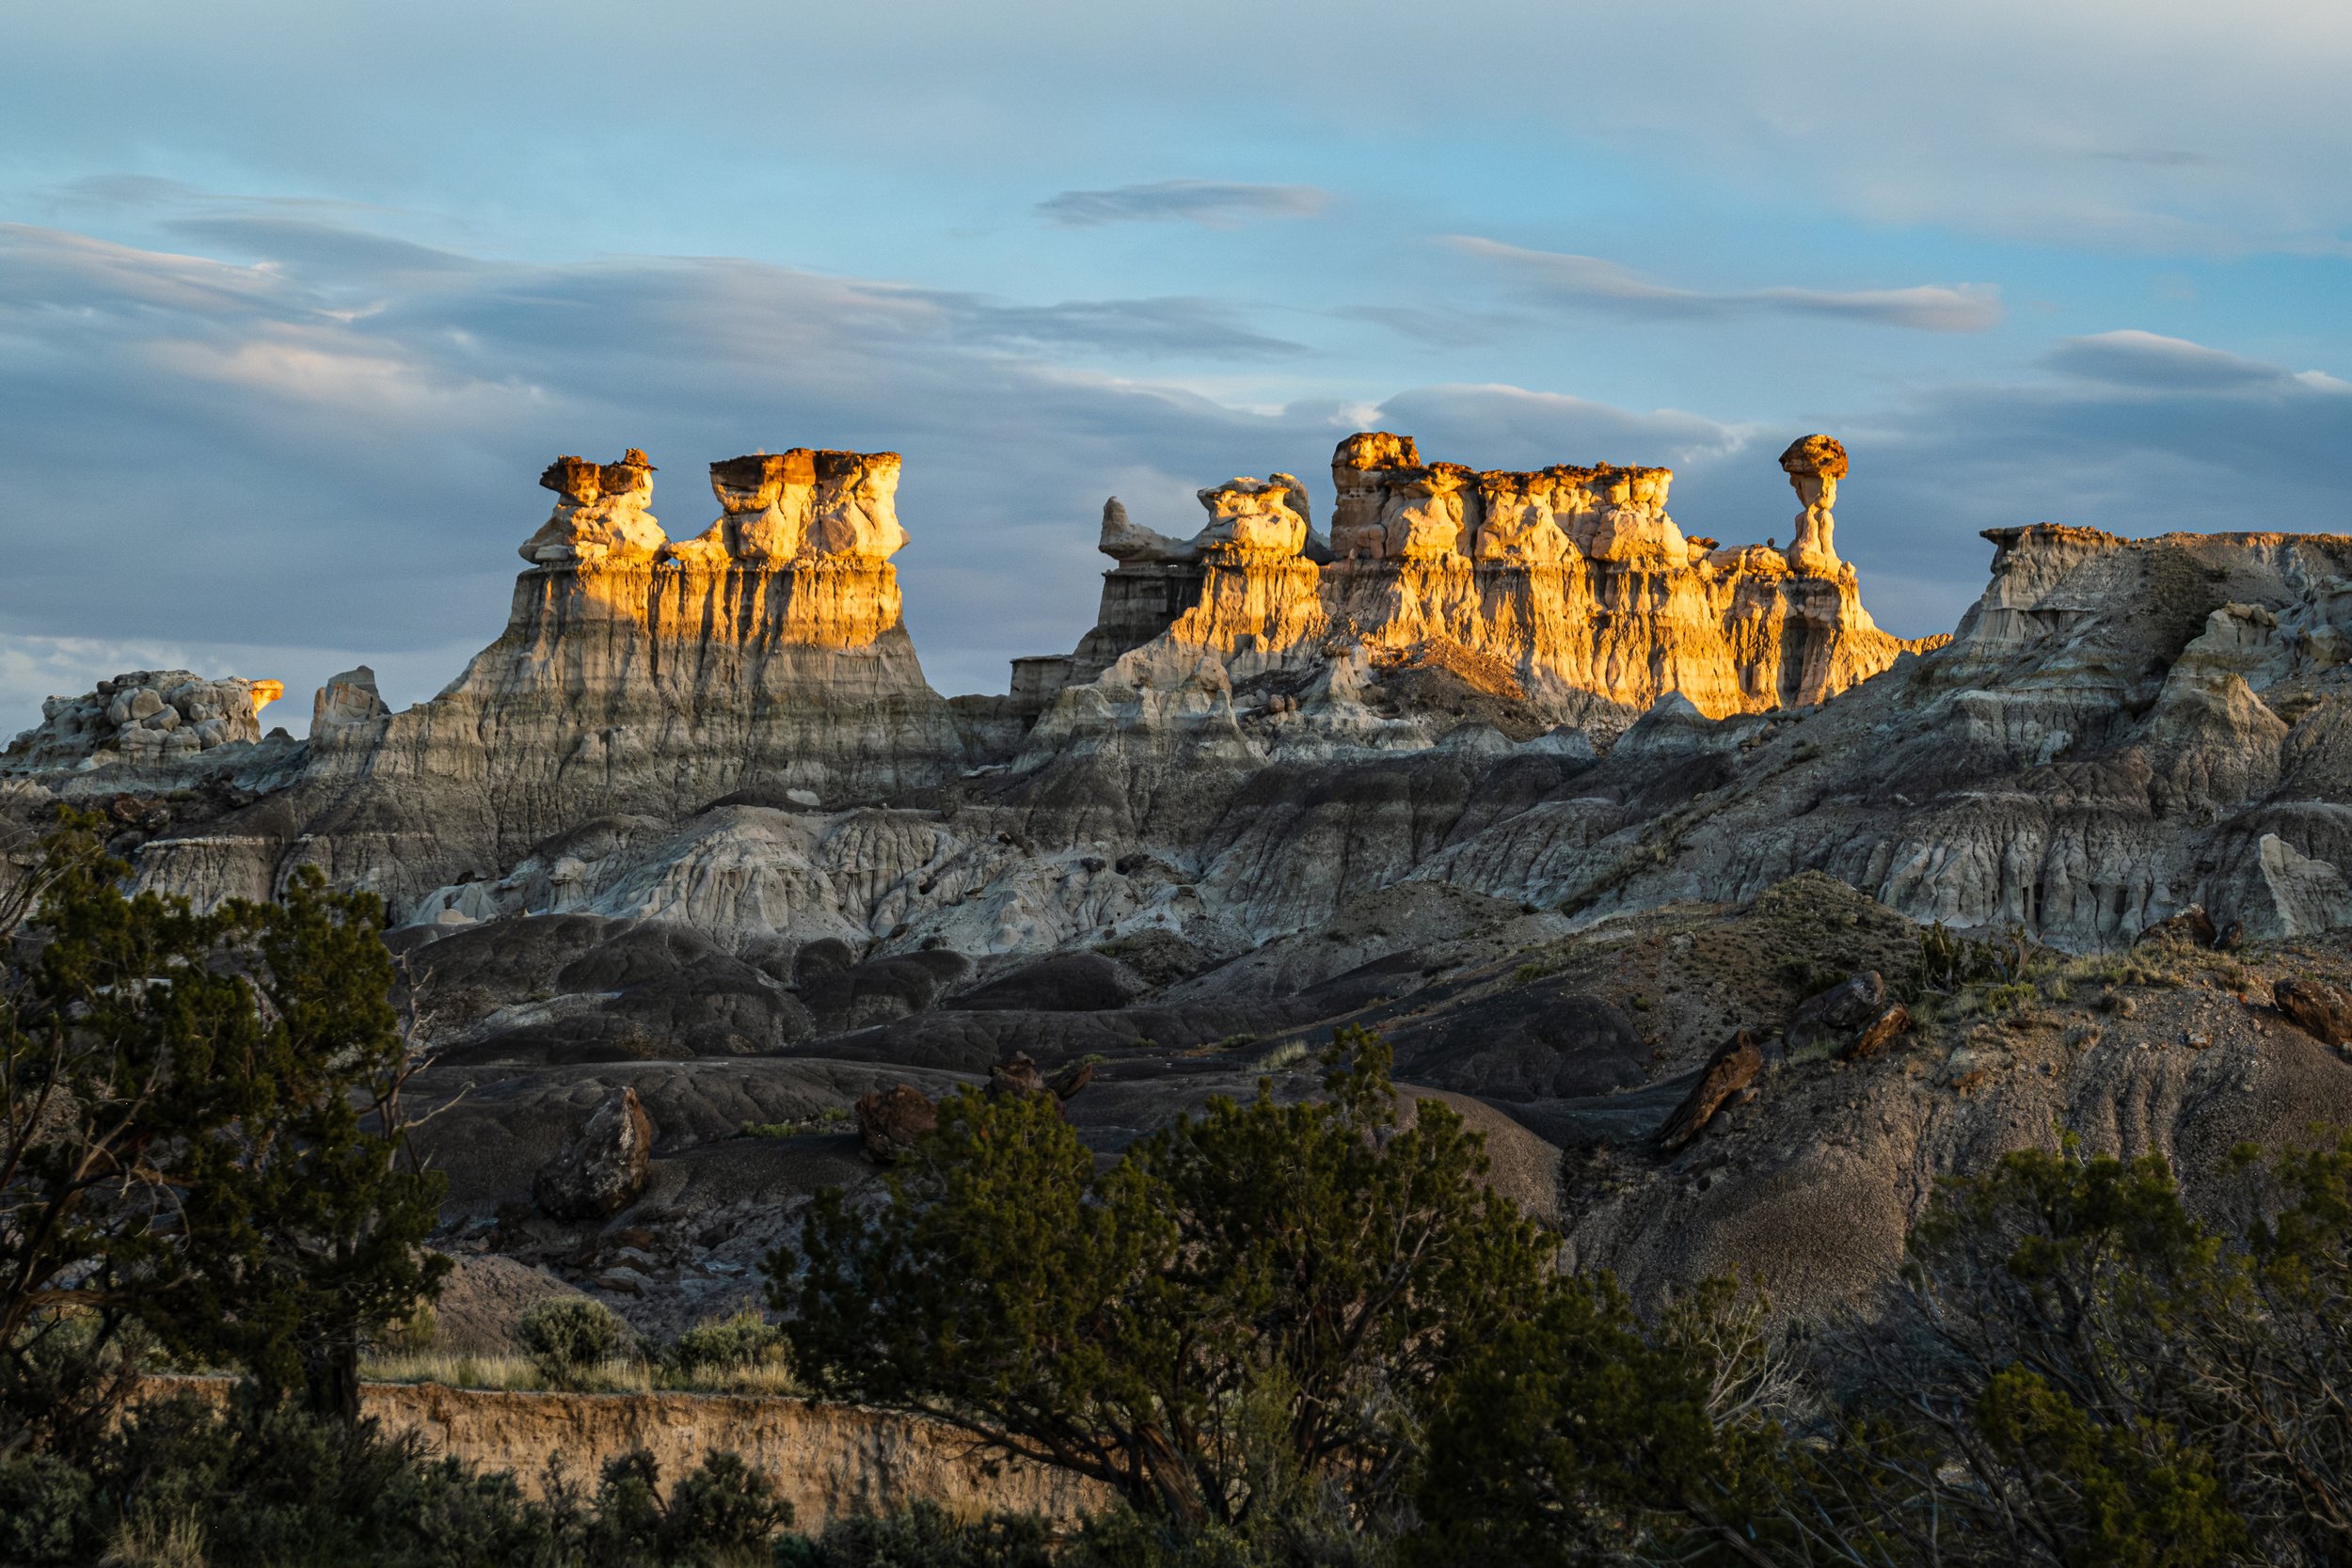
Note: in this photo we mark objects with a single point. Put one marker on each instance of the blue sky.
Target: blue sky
(296, 300)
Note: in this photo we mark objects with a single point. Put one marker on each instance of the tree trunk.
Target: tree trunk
(332, 1375)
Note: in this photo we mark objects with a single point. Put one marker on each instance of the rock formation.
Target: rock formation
(145, 719)
(1252, 514)
(890, 1121)
(1573, 580)
(1814, 464)
(769, 656)
(602, 1170)
(348, 699)
(1527, 684)
(1557, 797)
(2319, 1009)
(1727, 1074)
(1827, 1024)
(797, 505)
(600, 514)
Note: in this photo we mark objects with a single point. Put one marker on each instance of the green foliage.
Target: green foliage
(45, 1506)
(264, 1484)
(1130, 1324)
(565, 1336)
(922, 1535)
(747, 1338)
(833, 1118)
(200, 1131)
(1948, 963)
(723, 1512)
(1579, 1432)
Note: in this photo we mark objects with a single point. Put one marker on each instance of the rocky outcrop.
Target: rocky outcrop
(891, 1121)
(770, 658)
(602, 1170)
(1814, 464)
(1827, 1024)
(2119, 729)
(830, 1462)
(345, 700)
(801, 505)
(145, 719)
(1727, 1075)
(600, 514)
(1572, 581)
(2319, 1009)
(1526, 684)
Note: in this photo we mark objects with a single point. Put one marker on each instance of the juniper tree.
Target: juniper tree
(200, 1132)
(1252, 1299)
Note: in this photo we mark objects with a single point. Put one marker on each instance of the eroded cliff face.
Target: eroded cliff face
(767, 656)
(2119, 729)
(1532, 686)
(1573, 580)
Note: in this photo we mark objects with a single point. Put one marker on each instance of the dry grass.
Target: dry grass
(621, 1375)
(145, 1542)
(1284, 1056)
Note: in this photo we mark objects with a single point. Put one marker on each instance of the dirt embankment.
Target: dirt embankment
(828, 1460)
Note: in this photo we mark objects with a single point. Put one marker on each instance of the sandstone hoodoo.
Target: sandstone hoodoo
(635, 676)
(1814, 464)
(1572, 581)
(1528, 685)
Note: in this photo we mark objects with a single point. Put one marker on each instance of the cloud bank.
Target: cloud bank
(282, 447)
(1553, 278)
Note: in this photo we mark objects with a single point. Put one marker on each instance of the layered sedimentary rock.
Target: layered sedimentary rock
(145, 719)
(2119, 730)
(1574, 579)
(350, 698)
(767, 655)
(732, 732)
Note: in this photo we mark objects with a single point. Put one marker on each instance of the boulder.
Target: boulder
(604, 1168)
(2319, 1009)
(2191, 928)
(1895, 1021)
(1729, 1072)
(890, 1120)
(1838, 1015)
(1016, 1075)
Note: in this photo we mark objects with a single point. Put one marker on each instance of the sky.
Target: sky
(297, 300)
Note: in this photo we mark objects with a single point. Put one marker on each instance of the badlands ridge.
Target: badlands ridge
(764, 663)
(1503, 764)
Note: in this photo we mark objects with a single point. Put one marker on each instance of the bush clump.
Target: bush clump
(747, 1338)
(568, 1336)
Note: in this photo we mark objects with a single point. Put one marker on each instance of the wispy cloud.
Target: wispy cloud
(1559, 279)
(1215, 203)
(1439, 327)
(2150, 362)
(306, 486)
(1176, 326)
